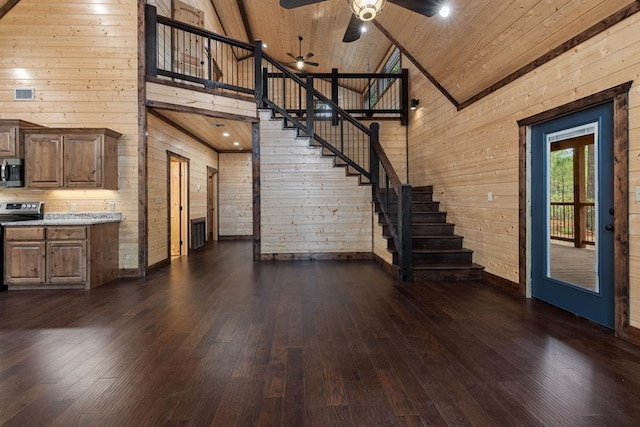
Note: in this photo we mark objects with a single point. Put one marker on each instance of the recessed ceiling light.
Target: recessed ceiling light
(444, 11)
(363, 29)
(264, 45)
(226, 134)
(237, 144)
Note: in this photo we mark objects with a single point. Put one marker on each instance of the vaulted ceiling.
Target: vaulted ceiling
(478, 45)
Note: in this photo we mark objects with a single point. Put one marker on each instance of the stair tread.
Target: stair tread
(429, 251)
(437, 236)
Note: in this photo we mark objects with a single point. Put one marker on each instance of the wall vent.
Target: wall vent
(24, 94)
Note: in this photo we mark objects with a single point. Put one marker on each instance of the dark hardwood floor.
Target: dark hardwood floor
(220, 340)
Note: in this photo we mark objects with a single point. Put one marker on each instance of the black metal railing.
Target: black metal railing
(186, 53)
(573, 222)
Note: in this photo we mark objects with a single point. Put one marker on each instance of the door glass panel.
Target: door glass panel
(571, 207)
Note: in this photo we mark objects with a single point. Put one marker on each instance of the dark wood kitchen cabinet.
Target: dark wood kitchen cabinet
(71, 158)
(11, 141)
(61, 257)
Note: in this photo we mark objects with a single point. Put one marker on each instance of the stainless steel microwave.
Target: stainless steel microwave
(11, 172)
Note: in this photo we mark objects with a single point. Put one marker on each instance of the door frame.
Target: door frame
(184, 187)
(212, 203)
(619, 96)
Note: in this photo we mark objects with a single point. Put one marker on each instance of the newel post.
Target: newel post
(373, 158)
(151, 40)
(405, 245)
(404, 98)
(310, 108)
(257, 70)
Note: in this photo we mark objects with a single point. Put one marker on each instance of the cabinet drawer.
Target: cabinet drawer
(66, 233)
(24, 233)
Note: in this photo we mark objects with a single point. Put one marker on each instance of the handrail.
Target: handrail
(332, 126)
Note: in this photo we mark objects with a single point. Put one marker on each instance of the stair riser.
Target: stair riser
(425, 207)
(422, 197)
(453, 275)
(433, 230)
(444, 257)
(428, 217)
(437, 243)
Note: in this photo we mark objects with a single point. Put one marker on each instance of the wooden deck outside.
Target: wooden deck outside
(573, 265)
(217, 339)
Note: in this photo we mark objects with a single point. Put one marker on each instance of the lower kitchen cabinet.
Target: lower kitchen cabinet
(61, 257)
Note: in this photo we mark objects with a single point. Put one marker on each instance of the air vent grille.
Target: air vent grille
(24, 94)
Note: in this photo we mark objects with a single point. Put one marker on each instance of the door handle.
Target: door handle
(608, 227)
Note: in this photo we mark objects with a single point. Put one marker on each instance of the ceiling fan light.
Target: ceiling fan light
(366, 10)
(299, 65)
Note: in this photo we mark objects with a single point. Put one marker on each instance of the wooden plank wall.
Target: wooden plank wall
(163, 137)
(469, 153)
(81, 59)
(307, 204)
(235, 197)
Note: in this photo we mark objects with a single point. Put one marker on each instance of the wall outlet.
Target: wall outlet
(158, 200)
(112, 206)
(490, 196)
(73, 207)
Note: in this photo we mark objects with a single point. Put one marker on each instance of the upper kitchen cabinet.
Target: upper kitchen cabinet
(10, 137)
(71, 158)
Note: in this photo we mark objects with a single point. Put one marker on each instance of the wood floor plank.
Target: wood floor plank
(217, 339)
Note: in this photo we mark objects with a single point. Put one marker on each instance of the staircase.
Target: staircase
(437, 252)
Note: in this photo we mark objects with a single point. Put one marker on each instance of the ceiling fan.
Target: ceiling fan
(300, 61)
(366, 10)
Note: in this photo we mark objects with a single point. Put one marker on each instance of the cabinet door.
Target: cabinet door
(8, 141)
(43, 160)
(66, 261)
(83, 160)
(24, 263)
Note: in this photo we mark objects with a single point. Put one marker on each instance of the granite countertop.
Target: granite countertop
(70, 219)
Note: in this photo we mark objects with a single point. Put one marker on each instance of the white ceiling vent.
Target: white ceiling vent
(24, 94)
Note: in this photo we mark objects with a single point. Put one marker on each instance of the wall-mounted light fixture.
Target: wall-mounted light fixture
(414, 104)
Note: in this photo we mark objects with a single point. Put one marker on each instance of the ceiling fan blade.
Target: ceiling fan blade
(292, 4)
(313, 64)
(423, 7)
(353, 31)
(308, 56)
(292, 55)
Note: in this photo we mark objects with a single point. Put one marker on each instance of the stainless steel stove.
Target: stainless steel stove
(13, 212)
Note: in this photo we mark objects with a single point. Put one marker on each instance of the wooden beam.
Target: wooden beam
(193, 110)
(7, 7)
(594, 30)
(245, 20)
(417, 64)
(143, 231)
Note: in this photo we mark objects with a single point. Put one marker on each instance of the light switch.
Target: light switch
(73, 207)
(490, 196)
(637, 194)
(158, 200)
(112, 206)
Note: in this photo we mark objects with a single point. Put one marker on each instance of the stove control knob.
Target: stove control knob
(23, 206)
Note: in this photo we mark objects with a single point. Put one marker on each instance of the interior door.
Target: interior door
(572, 213)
